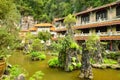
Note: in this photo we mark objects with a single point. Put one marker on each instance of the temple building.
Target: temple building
(103, 20)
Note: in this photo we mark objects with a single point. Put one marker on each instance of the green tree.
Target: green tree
(70, 21)
(45, 35)
(9, 17)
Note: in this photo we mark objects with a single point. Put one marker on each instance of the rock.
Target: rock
(81, 75)
(115, 66)
(20, 77)
(96, 65)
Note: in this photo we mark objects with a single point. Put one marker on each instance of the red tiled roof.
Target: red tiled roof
(52, 28)
(33, 29)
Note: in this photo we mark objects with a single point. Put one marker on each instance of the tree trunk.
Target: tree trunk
(115, 46)
(98, 53)
(86, 69)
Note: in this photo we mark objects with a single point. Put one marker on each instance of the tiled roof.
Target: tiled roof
(52, 28)
(33, 29)
(90, 10)
(97, 8)
(24, 30)
(59, 19)
(43, 25)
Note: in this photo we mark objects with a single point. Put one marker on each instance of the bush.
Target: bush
(15, 71)
(109, 61)
(70, 67)
(54, 53)
(78, 65)
(42, 56)
(37, 76)
(53, 62)
(38, 56)
(35, 54)
(113, 55)
(37, 45)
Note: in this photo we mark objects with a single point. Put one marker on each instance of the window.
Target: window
(101, 29)
(118, 28)
(101, 15)
(118, 11)
(85, 18)
(85, 30)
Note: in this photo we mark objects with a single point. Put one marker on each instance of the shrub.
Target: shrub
(54, 53)
(37, 45)
(15, 71)
(109, 61)
(92, 61)
(38, 56)
(35, 54)
(70, 67)
(42, 56)
(37, 76)
(78, 65)
(113, 55)
(53, 62)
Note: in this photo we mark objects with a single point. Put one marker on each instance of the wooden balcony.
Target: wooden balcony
(98, 24)
(103, 36)
(60, 29)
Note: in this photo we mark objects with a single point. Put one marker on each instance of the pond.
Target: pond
(57, 74)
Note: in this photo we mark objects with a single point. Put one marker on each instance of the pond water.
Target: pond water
(57, 74)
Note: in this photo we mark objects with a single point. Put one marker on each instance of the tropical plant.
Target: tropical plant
(70, 67)
(37, 45)
(78, 65)
(53, 62)
(44, 35)
(8, 31)
(37, 76)
(15, 71)
(109, 61)
(42, 56)
(8, 43)
(37, 56)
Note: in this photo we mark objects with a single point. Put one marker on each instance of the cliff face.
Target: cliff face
(27, 22)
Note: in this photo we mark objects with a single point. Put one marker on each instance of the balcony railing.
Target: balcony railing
(99, 21)
(100, 34)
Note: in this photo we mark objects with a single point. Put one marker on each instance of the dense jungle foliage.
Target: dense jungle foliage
(46, 10)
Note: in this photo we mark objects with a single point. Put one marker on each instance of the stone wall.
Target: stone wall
(27, 22)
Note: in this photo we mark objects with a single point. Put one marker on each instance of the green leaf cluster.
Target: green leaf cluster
(37, 76)
(46, 10)
(53, 62)
(44, 35)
